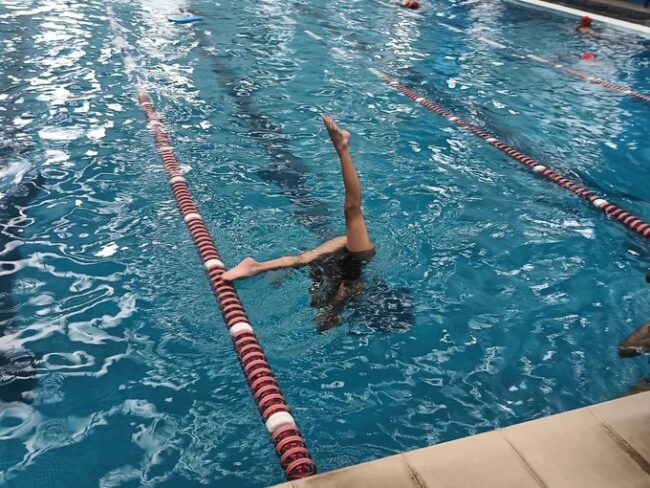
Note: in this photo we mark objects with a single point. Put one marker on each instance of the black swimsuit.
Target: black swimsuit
(334, 269)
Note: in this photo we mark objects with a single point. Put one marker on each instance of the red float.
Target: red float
(294, 456)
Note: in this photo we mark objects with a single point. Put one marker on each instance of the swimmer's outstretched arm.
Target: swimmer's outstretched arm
(249, 267)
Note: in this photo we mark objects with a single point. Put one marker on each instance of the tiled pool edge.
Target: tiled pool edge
(605, 445)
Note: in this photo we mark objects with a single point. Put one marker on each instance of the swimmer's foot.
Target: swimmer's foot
(340, 138)
(245, 269)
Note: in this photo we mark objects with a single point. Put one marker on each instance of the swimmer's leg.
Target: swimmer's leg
(355, 225)
(249, 267)
(330, 316)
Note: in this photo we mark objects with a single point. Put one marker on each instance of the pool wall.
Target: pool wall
(602, 446)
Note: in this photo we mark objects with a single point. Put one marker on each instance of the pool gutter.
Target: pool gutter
(574, 12)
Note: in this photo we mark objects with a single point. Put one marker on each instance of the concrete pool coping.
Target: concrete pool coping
(602, 446)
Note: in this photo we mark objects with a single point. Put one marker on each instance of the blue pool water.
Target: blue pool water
(506, 296)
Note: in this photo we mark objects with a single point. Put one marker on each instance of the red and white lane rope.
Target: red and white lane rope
(289, 444)
(562, 67)
(629, 220)
(591, 79)
(287, 439)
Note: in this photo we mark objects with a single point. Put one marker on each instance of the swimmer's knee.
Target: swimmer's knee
(352, 207)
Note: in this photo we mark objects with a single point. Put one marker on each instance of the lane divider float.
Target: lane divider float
(626, 218)
(287, 439)
(492, 43)
(316, 37)
(592, 79)
(561, 67)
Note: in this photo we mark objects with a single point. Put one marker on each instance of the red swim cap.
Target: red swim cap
(412, 4)
(588, 56)
(585, 21)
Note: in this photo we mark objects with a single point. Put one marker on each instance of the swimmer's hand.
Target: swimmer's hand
(637, 343)
(328, 318)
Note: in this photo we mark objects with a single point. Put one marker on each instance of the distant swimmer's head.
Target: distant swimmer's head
(585, 21)
(412, 4)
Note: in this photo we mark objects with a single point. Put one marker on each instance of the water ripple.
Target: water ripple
(493, 298)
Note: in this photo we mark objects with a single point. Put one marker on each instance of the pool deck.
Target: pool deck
(603, 446)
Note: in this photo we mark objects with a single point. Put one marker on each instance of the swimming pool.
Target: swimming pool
(506, 295)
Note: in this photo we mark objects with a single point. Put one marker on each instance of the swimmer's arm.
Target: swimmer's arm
(331, 316)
